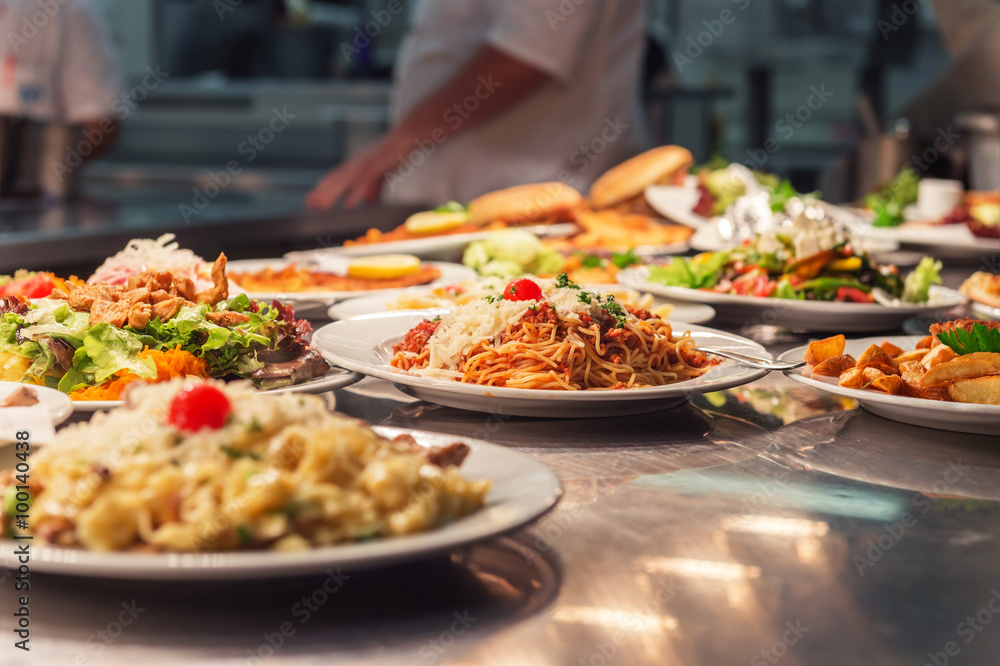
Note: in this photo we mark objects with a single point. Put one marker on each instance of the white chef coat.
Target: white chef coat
(575, 126)
(56, 62)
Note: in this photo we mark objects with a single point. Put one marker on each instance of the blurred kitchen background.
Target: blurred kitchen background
(231, 62)
(890, 75)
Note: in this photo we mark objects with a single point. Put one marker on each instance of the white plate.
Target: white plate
(365, 345)
(56, 403)
(449, 273)
(985, 311)
(804, 315)
(675, 202)
(523, 490)
(694, 313)
(446, 248)
(937, 414)
(335, 378)
(947, 240)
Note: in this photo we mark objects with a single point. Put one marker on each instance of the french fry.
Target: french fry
(938, 355)
(820, 350)
(891, 349)
(915, 355)
(891, 384)
(926, 342)
(981, 390)
(853, 378)
(835, 366)
(967, 366)
(874, 355)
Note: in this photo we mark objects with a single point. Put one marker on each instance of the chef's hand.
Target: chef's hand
(360, 178)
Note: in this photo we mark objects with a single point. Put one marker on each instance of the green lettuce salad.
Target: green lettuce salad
(66, 352)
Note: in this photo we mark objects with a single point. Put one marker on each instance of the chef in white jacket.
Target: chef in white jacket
(59, 81)
(494, 93)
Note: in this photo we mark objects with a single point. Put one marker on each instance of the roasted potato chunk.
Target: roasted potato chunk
(891, 349)
(876, 356)
(820, 350)
(926, 342)
(981, 390)
(891, 384)
(853, 378)
(833, 367)
(938, 355)
(912, 372)
(887, 369)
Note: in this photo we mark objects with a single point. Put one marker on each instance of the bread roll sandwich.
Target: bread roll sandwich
(623, 187)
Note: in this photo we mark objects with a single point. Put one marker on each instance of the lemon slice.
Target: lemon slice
(986, 212)
(434, 222)
(383, 267)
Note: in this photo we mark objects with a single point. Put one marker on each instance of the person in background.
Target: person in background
(502, 92)
(59, 81)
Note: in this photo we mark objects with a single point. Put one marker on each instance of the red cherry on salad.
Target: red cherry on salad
(198, 406)
(522, 289)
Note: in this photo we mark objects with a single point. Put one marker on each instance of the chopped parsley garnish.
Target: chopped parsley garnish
(436, 319)
(584, 297)
(592, 261)
(236, 455)
(564, 282)
(616, 310)
(980, 339)
(492, 299)
(255, 425)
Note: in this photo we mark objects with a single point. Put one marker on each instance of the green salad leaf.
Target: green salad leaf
(625, 259)
(451, 207)
(511, 253)
(682, 272)
(917, 286)
(786, 290)
(889, 201)
(111, 350)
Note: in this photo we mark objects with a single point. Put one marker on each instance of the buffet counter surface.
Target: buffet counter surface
(75, 236)
(767, 524)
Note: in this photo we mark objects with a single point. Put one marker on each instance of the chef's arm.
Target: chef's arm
(494, 79)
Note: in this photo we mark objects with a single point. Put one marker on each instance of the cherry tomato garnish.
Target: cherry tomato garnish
(198, 406)
(522, 289)
(36, 286)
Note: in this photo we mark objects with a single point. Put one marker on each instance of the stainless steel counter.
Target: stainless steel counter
(769, 524)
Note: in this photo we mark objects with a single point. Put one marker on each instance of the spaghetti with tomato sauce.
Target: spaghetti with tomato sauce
(569, 339)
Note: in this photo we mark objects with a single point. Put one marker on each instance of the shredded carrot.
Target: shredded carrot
(60, 283)
(169, 364)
